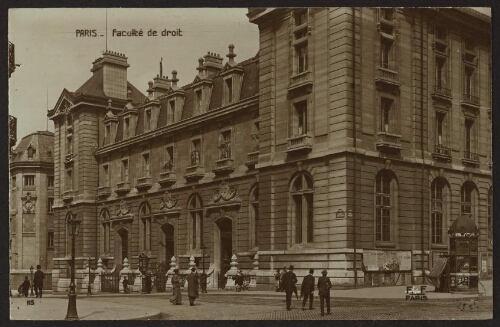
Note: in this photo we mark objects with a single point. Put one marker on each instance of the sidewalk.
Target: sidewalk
(52, 308)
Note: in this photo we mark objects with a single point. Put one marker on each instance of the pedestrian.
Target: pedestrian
(277, 276)
(289, 280)
(307, 289)
(38, 281)
(238, 280)
(125, 284)
(176, 297)
(281, 279)
(26, 286)
(193, 284)
(324, 286)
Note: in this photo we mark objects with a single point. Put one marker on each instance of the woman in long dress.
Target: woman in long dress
(176, 288)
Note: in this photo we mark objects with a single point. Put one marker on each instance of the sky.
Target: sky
(53, 57)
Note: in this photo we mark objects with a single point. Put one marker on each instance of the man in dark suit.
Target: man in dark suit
(38, 281)
(192, 280)
(289, 280)
(324, 286)
(307, 289)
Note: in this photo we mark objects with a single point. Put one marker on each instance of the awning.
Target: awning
(438, 268)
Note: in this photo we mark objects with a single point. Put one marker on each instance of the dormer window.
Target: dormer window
(228, 88)
(31, 152)
(300, 17)
(387, 14)
(441, 33)
(126, 126)
(171, 111)
(107, 134)
(198, 102)
(147, 120)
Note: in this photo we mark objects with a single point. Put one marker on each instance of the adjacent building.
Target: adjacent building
(31, 207)
(350, 142)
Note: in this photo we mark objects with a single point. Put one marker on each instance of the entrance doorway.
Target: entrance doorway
(122, 246)
(168, 242)
(226, 243)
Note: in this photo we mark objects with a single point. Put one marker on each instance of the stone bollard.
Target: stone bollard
(126, 271)
(192, 264)
(97, 281)
(253, 273)
(170, 273)
(231, 273)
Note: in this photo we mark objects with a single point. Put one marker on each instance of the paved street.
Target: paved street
(384, 303)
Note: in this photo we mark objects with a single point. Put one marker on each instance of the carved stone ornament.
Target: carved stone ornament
(169, 201)
(29, 204)
(123, 209)
(225, 193)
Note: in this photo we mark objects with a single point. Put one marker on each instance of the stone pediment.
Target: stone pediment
(228, 68)
(225, 196)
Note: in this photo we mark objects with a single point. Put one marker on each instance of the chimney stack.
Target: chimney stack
(113, 68)
(213, 63)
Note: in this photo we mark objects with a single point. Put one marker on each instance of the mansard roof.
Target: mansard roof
(41, 142)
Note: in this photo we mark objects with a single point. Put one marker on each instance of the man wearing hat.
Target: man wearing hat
(38, 280)
(307, 289)
(193, 282)
(324, 286)
(289, 280)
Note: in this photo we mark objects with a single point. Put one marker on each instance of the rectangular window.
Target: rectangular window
(50, 239)
(171, 107)
(195, 152)
(441, 33)
(29, 180)
(169, 158)
(145, 165)
(300, 17)
(439, 127)
(300, 127)
(386, 113)
(50, 181)
(107, 134)
(383, 209)
(387, 13)
(50, 205)
(146, 232)
(225, 145)
(301, 55)
(69, 145)
(124, 171)
(13, 181)
(469, 123)
(385, 53)
(105, 171)
(441, 80)
(69, 180)
(469, 83)
(194, 230)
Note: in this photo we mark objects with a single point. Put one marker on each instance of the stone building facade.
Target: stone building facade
(31, 207)
(312, 153)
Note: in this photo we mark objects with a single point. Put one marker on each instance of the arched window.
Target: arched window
(490, 216)
(385, 206)
(195, 207)
(105, 231)
(468, 199)
(302, 209)
(145, 227)
(438, 210)
(254, 216)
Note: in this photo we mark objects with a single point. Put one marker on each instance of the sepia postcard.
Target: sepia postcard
(250, 163)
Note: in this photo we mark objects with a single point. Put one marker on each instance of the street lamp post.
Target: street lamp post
(31, 273)
(74, 224)
(143, 268)
(203, 279)
(89, 288)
